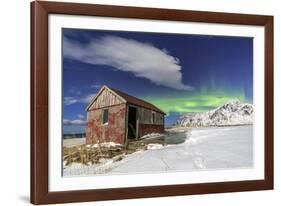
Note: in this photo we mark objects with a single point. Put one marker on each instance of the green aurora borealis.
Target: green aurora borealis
(200, 102)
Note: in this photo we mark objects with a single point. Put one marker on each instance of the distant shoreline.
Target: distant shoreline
(74, 135)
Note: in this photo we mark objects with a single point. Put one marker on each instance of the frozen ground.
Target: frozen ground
(73, 142)
(200, 148)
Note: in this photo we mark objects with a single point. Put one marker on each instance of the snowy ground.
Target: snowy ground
(73, 142)
(200, 148)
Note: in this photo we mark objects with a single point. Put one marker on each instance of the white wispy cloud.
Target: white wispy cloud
(96, 86)
(74, 122)
(81, 120)
(74, 91)
(69, 100)
(81, 116)
(142, 59)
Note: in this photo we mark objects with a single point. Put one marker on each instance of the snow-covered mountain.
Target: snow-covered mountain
(232, 113)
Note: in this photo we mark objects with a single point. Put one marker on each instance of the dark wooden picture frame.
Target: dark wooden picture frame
(39, 102)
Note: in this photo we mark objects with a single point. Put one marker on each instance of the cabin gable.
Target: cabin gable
(105, 98)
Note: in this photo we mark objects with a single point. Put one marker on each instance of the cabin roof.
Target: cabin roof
(129, 99)
(136, 101)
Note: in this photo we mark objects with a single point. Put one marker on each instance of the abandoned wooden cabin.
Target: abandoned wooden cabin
(113, 116)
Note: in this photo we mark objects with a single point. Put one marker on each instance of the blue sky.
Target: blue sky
(179, 73)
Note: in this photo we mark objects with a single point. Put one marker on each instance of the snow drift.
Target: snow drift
(232, 113)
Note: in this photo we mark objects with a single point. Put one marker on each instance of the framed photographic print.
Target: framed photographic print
(133, 102)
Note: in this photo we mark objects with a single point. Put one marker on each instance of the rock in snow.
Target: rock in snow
(232, 113)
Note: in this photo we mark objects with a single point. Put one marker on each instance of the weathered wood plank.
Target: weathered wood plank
(145, 116)
(105, 99)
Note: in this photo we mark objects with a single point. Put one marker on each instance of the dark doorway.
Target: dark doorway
(132, 123)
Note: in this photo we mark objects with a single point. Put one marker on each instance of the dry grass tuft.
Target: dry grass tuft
(92, 154)
(89, 154)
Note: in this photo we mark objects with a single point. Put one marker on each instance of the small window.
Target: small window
(105, 116)
(153, 117)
